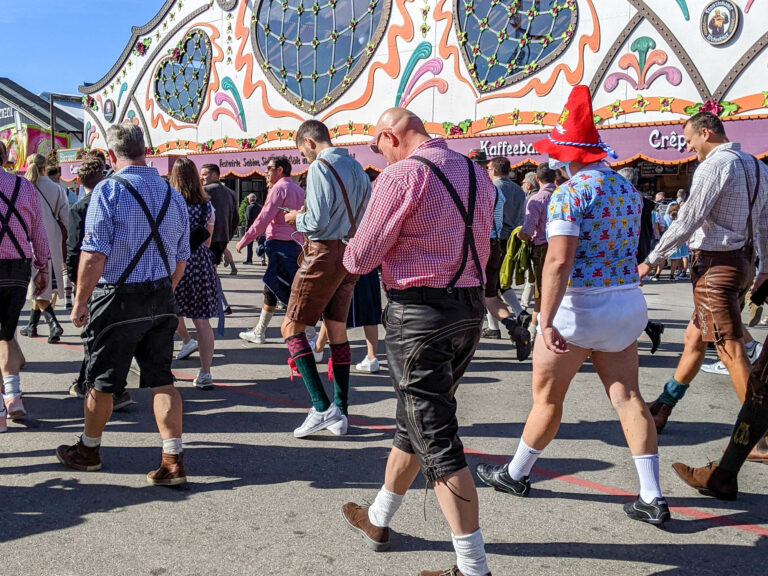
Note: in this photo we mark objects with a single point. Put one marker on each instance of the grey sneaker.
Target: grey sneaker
(122, 401)
(656, 513)
(498, 478)
(203, 381)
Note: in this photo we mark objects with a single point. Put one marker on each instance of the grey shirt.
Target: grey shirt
(225, 204)
(514, 205)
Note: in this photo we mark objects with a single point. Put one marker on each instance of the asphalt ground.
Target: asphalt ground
(260, 502)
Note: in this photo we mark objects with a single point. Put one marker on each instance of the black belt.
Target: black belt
(137, 287)
(426, 293)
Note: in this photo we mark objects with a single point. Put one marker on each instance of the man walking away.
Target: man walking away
(131, 262)
(434, 281)
(225, 203)
(23, 243)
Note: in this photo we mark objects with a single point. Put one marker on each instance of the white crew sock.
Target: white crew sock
(510, 299)
(12, 385)
(493, 324)
(264, 320)
(470, 554)
(89, 442)
(648, 472)
(523, 462)
(384, 507)
(172, 446)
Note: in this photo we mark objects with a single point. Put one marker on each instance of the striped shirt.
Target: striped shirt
(116, 226)
(28, 205)
(715, 216)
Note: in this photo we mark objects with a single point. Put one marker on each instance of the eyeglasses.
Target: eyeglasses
(374, 145)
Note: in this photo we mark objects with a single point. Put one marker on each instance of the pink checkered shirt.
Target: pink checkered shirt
(413, 229)
(28, 205)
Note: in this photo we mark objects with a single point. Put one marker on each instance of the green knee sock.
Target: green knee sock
(751, 426)
(298, 346)
(673, 392)
(341, 357)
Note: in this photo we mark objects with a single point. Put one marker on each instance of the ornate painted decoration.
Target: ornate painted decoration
(226, 5)
(645, 57)
(109, 110)
(181, 78)
(719, 22)
(504, 41)
(334, 40)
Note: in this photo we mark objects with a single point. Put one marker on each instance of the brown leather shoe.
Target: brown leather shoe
(709, 480)
(660, 413)
(170, 473)
(376, 538)
(450, 572)
(79, 457)
(759, 452)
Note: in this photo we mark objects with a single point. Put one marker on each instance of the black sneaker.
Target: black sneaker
(656, 513)
(524, 319)
(499, 479)
(522, 339)
(491, 334)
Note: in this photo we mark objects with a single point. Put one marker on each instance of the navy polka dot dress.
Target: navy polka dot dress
(197, 292)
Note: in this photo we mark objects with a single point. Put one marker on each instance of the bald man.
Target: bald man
(428, 226)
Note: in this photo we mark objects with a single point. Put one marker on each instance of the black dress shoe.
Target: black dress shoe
(499, 479)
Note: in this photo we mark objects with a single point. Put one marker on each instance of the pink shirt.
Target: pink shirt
(535, 224)
(413, 229)
(28, 205)
(287, 194)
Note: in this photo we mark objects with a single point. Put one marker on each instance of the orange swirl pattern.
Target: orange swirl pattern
(391, 67)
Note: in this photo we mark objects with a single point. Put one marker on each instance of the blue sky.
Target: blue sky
(57, 45)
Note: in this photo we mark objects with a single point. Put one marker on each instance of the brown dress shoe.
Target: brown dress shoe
(376, 538)
(450, 572)
(759, 452)
(660, 413)
(79, 457)
(709, 480)
(170, 473)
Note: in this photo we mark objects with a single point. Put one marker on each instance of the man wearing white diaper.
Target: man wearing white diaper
(590, 274)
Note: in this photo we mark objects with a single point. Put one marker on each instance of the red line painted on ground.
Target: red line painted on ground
(724, 521)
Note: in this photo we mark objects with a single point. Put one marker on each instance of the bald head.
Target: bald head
(403, 130)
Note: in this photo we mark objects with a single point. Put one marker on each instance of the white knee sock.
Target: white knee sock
(12, 385)
(523, 462)
(264, 321)
(172, 446)
(510, 299)
(384, 507)
(470, 554)
(648, 472)
(493, 324)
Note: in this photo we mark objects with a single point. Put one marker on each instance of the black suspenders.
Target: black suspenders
(154, 227)
(467, 214)
(5, 221)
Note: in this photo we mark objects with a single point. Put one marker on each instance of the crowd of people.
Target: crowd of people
(450, 236)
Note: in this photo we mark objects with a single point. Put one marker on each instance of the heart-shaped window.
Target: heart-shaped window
(181, 78)
(504, 41)
(312, 50)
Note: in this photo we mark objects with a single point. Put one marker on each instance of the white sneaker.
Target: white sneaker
(368, 365)
(317, 421)
(311, 333)
(187, 349)
(253, 336)
(720, 369)
(203, 381)
(318, 355)
(340, 428)
(715, 368)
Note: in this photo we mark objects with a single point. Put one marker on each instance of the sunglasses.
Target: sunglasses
(374, 145)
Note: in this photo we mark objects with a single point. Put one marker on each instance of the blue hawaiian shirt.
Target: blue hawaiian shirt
(603, 209)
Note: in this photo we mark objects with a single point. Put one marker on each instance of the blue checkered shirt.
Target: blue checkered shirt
(116, 226)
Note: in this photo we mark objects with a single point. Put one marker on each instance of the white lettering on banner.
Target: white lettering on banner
(507, 148)
(659, 141)
(6, 113)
